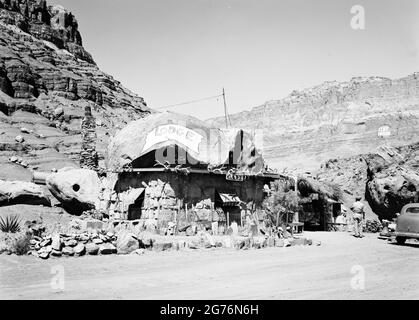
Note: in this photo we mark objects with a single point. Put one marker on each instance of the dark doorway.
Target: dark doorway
(135, 209)
(312, 214)
(230, 204)
(337, 210)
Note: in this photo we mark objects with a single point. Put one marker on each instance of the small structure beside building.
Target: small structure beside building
(319, 204)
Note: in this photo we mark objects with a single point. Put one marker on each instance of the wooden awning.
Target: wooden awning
(230, 199)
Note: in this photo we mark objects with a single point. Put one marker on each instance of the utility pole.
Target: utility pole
(296, 217)
(225, 108)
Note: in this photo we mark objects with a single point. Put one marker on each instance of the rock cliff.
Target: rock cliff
(50, 23)
(47, 80)
(388, 178)
(393, 179)
(335, 120)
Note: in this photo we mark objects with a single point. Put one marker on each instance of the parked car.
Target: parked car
(407, 225)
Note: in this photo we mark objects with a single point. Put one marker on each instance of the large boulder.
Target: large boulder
(92, 248)
(77, 189)
(80, 249)
(56, 242)
(68, 251)
(21, 192)
(107, 248)
(127, 243)
(393, 180)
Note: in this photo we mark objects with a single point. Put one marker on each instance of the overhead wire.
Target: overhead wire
(189, 102)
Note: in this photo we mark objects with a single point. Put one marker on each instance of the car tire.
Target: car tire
(400, 240)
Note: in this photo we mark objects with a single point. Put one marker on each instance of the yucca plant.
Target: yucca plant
(11, 224)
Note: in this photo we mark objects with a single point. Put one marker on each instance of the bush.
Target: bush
(94, 214)
(284, 203)
(11, 224)
(372, 226)
(22, 245)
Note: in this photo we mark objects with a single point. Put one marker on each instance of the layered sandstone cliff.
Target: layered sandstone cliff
(335, 120)
(47, 79)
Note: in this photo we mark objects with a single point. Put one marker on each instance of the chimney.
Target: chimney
(88, 154)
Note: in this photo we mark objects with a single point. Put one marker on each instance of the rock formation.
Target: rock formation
(20, 192)
(47, 79)
(335, 120)
(126, 242)
(78, 190)
(387, 178)
(50, 23)
(393, 179)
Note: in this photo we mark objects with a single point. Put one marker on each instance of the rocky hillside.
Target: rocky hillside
(387, 178)
(393, 179)
(335, 120)
(47, 79)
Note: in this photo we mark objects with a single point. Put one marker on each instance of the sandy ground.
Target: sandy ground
(306, 272)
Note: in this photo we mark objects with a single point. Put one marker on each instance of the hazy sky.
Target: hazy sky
(170, 51)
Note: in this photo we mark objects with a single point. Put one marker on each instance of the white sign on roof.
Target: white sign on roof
(185, 136)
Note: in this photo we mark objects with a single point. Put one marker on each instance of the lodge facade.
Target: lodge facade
(173, 169)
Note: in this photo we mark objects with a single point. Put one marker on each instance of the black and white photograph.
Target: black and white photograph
(209, 150)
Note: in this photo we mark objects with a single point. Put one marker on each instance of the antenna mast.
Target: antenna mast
(225, 109)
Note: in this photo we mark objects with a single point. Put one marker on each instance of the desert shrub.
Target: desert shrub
(97, 215)
(94, 214)
(11, 224)
(35, 227)
(283, 202)
(22, 245)
(372, 226)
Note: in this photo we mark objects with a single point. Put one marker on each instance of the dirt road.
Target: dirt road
(306, 272)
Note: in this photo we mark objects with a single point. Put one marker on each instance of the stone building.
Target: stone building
(170, 169)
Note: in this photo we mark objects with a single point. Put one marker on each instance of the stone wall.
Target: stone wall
(160, 202)
(183, 199)
(195, 187)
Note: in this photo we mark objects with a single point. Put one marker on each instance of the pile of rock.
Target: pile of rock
(205, 241)
(245, 243)
(125, 242)
(58, 245)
